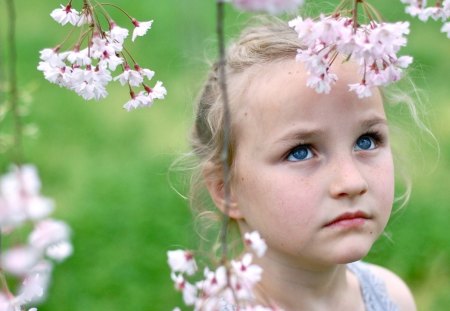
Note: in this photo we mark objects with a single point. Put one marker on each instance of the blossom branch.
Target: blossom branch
(225, 156)
(12, 76)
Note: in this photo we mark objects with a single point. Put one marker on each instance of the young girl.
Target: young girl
(312, 173)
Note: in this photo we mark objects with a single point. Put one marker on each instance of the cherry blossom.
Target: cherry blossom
(157, 92)
(440, 11)
(446, 29)
(49, 233)
(182, 261)
(188, 290)
(227, 287)
(244, 277)
(136, 101)
(19, 260)
(88, 68)
(66, 14)
(362, 89)
(20, 199)
(270, 6)
(256, 243)
(80, 58)
(129, 76)
(117, 34)
(146, 97)
(373, 46)
(20, 202)
(140, 28)
(90, 83)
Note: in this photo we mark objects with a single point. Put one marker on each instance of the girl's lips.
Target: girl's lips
(349, 220)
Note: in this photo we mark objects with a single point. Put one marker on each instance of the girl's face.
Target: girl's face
(313, 173)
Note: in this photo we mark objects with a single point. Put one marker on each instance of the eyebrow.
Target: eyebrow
(373, 121)
(300, 134)
(309, 134)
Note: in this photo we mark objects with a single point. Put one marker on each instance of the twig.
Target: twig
(226, 128)
(12, 77)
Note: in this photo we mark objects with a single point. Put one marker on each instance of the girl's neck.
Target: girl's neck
(294, 288)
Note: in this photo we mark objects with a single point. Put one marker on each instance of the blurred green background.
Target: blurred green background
(108, 169)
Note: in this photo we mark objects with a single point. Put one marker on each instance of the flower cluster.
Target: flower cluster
(440, 11)
(270, 6)
(373, 47)
(87, 68)
(21, 203)
(228, 287)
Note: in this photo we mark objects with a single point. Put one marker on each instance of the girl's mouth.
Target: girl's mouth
(349, 220)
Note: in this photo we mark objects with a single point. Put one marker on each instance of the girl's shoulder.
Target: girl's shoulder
(397, 289)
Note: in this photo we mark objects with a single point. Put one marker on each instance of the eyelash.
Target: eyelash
(377, 137)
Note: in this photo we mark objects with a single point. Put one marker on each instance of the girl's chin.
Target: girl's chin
(352, 254)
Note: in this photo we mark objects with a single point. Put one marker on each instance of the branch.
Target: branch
(12, 77)
(226, 127)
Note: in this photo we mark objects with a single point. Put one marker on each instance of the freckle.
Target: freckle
(245, 114)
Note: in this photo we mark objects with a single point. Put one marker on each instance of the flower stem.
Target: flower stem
(117, 7)
(226, 122)
(14, 106)
(355, 15)
(374, 11)
(12, 77)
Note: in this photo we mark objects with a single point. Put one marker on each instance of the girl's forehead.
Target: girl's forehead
(277, 92)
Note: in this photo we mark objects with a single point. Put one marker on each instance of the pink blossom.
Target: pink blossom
(256, 243)
(35, 285)
(52, 57)
(189, 291)
(20, 198)
(88, 70)
(322, 83)
(85, 18)
(140, 28)
(19, 260)
(66, 14)
(117, 34)
(49, 232)
(446, 8)
(59, 251)
(90, 83)
(270, 6)
(361, 89)
(100, 46)
(182, 261)
(78, 57)
(158, 91)
(374, 46)
(110, 61)
(446, 29)
(419, 9)
(137, 101)
(132, 77)
(214, 281)
(246, 273)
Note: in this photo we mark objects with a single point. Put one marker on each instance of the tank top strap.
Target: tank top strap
(373, 290)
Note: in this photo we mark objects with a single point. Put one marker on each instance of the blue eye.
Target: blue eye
(365, 142)
(300, 153)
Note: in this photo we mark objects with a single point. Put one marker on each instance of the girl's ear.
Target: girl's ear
(213, 175)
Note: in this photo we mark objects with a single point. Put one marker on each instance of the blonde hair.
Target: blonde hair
(270, 41)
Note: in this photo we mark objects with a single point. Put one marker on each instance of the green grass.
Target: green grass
(108, 170)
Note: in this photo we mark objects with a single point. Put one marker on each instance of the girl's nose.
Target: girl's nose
(347, 179)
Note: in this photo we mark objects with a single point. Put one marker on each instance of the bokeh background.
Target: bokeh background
(108, 170)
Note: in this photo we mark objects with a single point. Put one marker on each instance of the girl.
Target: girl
(312, 173)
